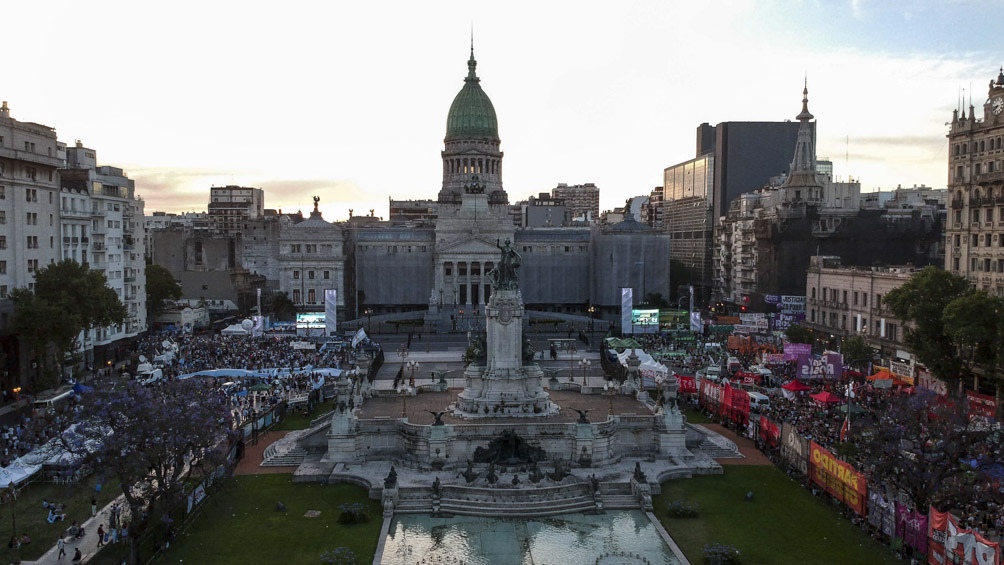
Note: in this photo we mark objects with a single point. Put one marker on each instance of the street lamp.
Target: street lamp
(403, 391)
(592, 315)
(584, 364)
(610, 390)
(369, 319)
(412, 366)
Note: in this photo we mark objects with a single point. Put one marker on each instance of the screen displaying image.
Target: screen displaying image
(310, 321)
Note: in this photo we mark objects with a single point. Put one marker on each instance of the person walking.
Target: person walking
(61, 544)
(101, 535)
(94, 507)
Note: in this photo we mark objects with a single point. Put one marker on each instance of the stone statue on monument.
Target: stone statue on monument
(503, 276)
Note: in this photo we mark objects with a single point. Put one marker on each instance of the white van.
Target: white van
(712, 373)
(758, 401)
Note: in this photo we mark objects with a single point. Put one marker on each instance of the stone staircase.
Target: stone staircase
(719, 447)
(285, 452)
(525, 503)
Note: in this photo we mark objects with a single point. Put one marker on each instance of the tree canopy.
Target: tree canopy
(925, 445)
(160, 286)
(153, 440)
(857, 353)
(67, 298)
(798, 334)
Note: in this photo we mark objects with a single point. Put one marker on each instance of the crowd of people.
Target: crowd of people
(824, 425)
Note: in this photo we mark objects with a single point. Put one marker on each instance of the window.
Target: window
(30, 195)
(3, 189)
(845, 297)
(3, 217)
(3, 267)
(864, 299)
(3, 242)
(294, 248)
(296, 275)
(855, 298)
(311, 296)
(327, 274)
(296, 296)
(32, 265)
(310, 275)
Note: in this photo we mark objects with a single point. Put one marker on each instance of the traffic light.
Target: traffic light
(743, 308)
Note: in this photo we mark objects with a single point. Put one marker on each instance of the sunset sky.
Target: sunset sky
(348, 100)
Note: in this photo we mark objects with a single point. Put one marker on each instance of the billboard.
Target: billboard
(310, 321)
(644, 321)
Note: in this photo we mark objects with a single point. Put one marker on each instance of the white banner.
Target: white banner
(330, 312)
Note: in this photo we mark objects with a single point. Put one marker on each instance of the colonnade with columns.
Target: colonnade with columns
(463, 283)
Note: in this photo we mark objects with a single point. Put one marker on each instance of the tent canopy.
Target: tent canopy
(826, 397)
(235, 329)
(796, 386)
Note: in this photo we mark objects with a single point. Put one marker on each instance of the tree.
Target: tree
(68, 298)
(157, 442)
(856, 352)
(973, 323)
(798, 334)
(282, 307)
(921, 301)
(160, 286)
(925, 445)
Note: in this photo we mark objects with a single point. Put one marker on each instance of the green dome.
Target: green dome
(472, 115)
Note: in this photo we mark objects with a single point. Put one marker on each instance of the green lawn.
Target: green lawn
(783, 524)
(296, 420)
(30, 517)
(695, 416)
(242, 525)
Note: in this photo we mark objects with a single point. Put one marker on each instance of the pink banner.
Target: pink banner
(911, 527)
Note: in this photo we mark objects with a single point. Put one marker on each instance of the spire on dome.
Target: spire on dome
(472, 64)
(804, 115)
(1000, 78)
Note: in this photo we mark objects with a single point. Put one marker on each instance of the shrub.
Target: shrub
(339, 556)
(351, 513)
(721, 554)
(681, 509)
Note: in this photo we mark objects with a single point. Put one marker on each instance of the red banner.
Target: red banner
(748, 378)
(711, 396)
(948, 543)
(981, 405)
(770, 432)
(726, 406)
(740, 407)
(838, 478)
(688, 385)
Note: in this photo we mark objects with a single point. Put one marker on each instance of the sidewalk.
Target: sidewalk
(88, 544)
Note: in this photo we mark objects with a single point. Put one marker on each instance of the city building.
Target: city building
(111, 240)
(230, 206)
(30, 159)
(583, 200)
(732, 158)
(845, 301)
(767, 237)
(975, 231)
(546, 211)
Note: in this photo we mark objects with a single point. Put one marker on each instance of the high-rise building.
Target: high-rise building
(975, 238)
(733, 158)
(583, 200)
(230, 206)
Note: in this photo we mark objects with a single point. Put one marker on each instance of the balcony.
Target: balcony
(66, 240)
(80, 214)
(957, 203)
(129, 279)
(98, 246)
(85, 240)
(995, 176)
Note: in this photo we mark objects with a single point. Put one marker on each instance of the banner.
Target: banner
(981, 406)
(688, 385)
(794, 448)
(770, 433)
(792, 351)
(911, 527)
(882, 515)
(740, 408)
(926, 380)
(828, 366)
(773, 358)
(838, 478)
(949, 543)
(747, 378)
(711, 396)
(330, 312)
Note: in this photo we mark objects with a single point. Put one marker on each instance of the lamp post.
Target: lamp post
(592, 315)
(412, 366)
(610, 390)
(584, 364)
(403, 391)
(571, 362)
(369, 319)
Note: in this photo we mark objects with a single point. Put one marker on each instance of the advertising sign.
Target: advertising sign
(838, 478)
(310, 321)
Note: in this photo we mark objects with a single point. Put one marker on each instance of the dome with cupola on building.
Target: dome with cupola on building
(472, 115)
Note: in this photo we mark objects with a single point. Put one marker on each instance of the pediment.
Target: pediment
(468, 246)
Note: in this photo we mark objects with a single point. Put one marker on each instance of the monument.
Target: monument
(502, 380)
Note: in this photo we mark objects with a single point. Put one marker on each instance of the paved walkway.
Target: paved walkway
(88, 544)
(751, 455)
